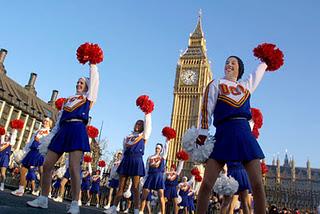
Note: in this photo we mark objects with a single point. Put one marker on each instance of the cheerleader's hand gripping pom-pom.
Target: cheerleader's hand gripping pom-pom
(195, 171)
(201, 139)
(59, 103)
(17, 124)
(198, 178)
(145, 104)
(169, 133)
(87, 159)
(89, 52)
(198, 153)
(269, 54)
(102, 163)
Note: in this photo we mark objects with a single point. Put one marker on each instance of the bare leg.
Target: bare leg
(23, 172)
(75, 157)
(48, 165)
(122, 182)
(255, 177)
(110, 197)
(244, 202)
(175, 204)
(97, 199)
(41, 173)
(3, 174)
(32, 186)
(149, 207)
(135, 190)
(162, 201)
(145, 193)
(225, 204)
(62, 187)
(210, 176)
(233, 203)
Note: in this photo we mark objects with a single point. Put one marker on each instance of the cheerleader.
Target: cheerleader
(228, 101)
(114, 177)
(155, 167)
(238, 172)
(191, 207)
(183, 191)
(171, 183)
(86, 183)
(95, 187)
(70, 135)
(31, 178)
(33, 158)
(6, 143)
(132, 163)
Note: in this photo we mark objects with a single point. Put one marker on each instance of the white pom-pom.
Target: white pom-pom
(18, 155)
(198, 154)
(60, 172)
(127, 194)
(44, 143)
(226, 185)
(179, 199)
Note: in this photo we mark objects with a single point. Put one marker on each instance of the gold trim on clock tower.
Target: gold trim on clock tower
(193, 73)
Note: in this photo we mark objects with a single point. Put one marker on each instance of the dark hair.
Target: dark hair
(241, 66)
(142, 128)
(159, 145)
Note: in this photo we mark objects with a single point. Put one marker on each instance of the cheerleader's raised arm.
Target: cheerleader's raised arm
(93, 86)
(148, 127)
(253, 80)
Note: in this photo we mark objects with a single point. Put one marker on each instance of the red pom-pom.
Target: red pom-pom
(59, 103)
(195, 171)
(269, 54)
(255, 132)
(96, 54)
(17, 124)
(87, 158)
(83, 53)
(102, 163)
(169, 132)
(257, 117)
(198, 178)
(2, 131)
(145, 104)
(89, 52)
(264, 168)
(182, 155)
(92, 131)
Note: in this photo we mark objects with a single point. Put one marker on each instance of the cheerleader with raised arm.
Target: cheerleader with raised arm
(183, 191)
(171, 183)
(155, 168)
(7, 140)
(133, 150)
(114, 177)
(228, 101)
(70, 133)
(33, 158)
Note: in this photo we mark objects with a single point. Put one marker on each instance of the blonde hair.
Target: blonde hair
(49, 121)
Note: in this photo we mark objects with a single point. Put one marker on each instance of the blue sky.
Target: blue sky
(142, 41)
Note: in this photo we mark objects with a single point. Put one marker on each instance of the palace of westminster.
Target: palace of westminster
(285, 184)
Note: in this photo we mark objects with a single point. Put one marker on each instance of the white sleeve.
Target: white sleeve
(147, 126)
(26, 148)
(13, 137)
(253, 80)
(45, 141)
(164, 152)
(147, 167)
(89, 168)
(208, 104)
(94, 83)
(191, 181)
(180, 167)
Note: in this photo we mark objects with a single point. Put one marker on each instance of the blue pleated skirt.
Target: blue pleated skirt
(191, 206)
(113, 183)
(31, 176)
(85, 185)
(154, 181)
(235, 142)
(71, 136)
(33, 157)
(57, 183)
(5, 157)
(131, 165)
(170, 192)
(240, 175)
(95, 188)
(184, 198)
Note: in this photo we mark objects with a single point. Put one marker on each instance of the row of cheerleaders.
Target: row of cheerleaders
(226, 101)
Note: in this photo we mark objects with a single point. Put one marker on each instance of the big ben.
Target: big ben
(193, 73)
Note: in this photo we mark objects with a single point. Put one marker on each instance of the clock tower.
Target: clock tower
(193, 74)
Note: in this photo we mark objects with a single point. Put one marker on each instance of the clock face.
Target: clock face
(189, 77)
